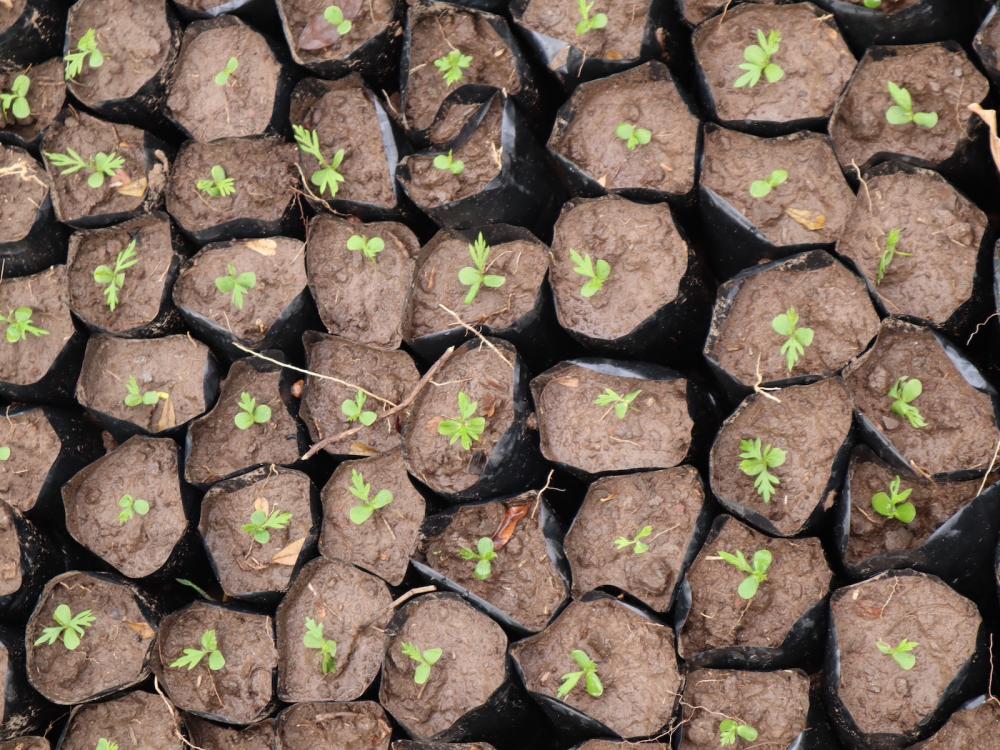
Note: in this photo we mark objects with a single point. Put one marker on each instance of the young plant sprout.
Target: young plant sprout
(327, 648)
(903, 393)
(757, 461)
(873, 4)
(4, 453)
(448, 163)
(889, 254)
(251, 412)
(362, 490)
(484, 554)
(223, 76)
(335, 17)
(69, 628)
(587, 22)
(134, 396)
(758, 61)
(633, 135)
(113, 279)
(756, 573)
(595, 273)
(762, 188)
(476, 277)
(730, 730)
(369, 248)
(894, 503)
(98, 169)
(467, 428)
(452, 66)
(796, 339)
(588, 671)
(194, 656)
(622, 404)
(131, 507)
(261, 524)
(327, 178)
(901, 654)
(638, 546)
(105, 744)
(424, 659)
(85, 48)
(901, 112)
(19, 325)
(236, 285)
(219, 186)
(354, 409)
(16, 102)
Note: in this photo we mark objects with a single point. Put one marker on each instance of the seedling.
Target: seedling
(424, 659)
(894, 503)
(16, 102)
(587, 22)
(901, 654)
(19, 325)
(327, 648)
(236, 285)
(362, 490)
(889, 254)
(638, 546)
(901, 112)
(261, 524)
(4, 453)
(104, 744)
(476, 277)
(98, 169)
(873, 4)
(595, 273)
(335, 17)
(796, 339)
(223, 76)
(758, 61)
(762, 188)
(730, 730)
(467, 428)
(251, 412)
(130, 507)
(588, 671)
(194, 656)
(903, 393)
(369, 248)
(452, 66)
(219, 186)
(622, 404)
(113, 279)
(756, 573)
(448, 163)
(633, 135)
(757, 461)
(69, 627)
(484, 554)
(134, 396)
(327, 178)
(354, 409)
(86, 51)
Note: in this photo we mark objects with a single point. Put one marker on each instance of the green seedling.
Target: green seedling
(595, 273)
(98, 169)
(105, 744)
(16, 102)
(424, 659)
(335, 17)
(621, 404)
(19, 325)
(113, 279)
(894, 503)
(194, 656)
(475, 277)
(261, 524)
(588, 671)
(134, 396)
(901, 112)
(889, 254)
(633, 135)
(758, 61)
(4, 453)
(327, 648)
(219, 186)
(757, 461)
(85, 48)
(638, 546)
(730, 730)
(589, 22)
(756, 573)
(484, 554)
(354, 409)
(236, 285)
(362, 490)
(903, 393)
(900, 654)
(328, 177)
(223, 76)
(452, 66)
(131, 507)
(251, 412)
(369, 248)
(69, 628)
(467, 428)
(448, 163)
(872, 4)
(762, 188)
(796, 339)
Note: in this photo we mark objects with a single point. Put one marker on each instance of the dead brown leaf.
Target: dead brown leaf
(168, 417)
(290, 554)
(814, 221)
(131, 188)
(141, 629)
(264, 247)
(260, 504)
(989, 116)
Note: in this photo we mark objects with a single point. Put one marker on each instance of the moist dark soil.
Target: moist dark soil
(383, 544)
(696, 11)
(145, 468)
(25, 187)
(620, 40)
(34, 448)
(27, 743)
(359, 299)
(473, 664)
(334, 726)
(645, 97)
(575, 431)
(961, 426)
(10, 552)
(390, 375)
(313, 40)
(828, 298)
(177, 365)
(619, 507)
(209, 736)
(939, 80)
(354, 609)
(522, 263)
(624, 643)
(815, 194)
(810, 424)
(113, 652)
(45, 97)
(140, 298)
(7, 670)
(797, 581)
(986, 44)
(245, 104)
(412, 745)
(238, 693)
(243, 565)
(524, 583)
(965, 729)
(879, 696)
(773, 703)
(28, 360)
(940, 227)
(135, 720)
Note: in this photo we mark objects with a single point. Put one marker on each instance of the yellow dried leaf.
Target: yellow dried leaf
(267, 248)
(133, 188)
(260, 504)
(362, 449)
(168, 417)
(814, 221)
(989, 116)
(141, 629)
(290, 554)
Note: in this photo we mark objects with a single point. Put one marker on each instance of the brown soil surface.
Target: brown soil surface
(34, 447)
(45, 97)
(7, 672)
(10, 13)
(987, 44)
(28, 361)
(211, 736)
(113, 652)
(810, 424)
(416, 745)
(354, 609)
(611, 745)
(134, 720)
(333, 726)
(621, 39)
(966, 729)
(473, 664)
(696, 11)
(27, 743)
(891, 6)
(880, 696)
(10, 552)
(25, 185)
(367, 18)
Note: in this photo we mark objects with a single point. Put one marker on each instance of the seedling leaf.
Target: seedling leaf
(904, 392)
(223, 76)
(335, 17)
(475, 276)
(730, 730)
(354, 410)
(327, 648)
(236, 284)
(328, 177)
(19, 325)
(262, 524)
(113, 279)
(588, 671)
(621, 404)
(756, 573)
(796, 339)
(4, 453)
(359, 514)
(633, 135)
(889, 254)
(758, 61)
(467, 428)
(251, 412)
(134, 396)
(901, 111)
(894, 504)
(595, 273)
(484, 554)
(762, 188)
(587, 22)
(131, 507)
(448, 163)
(757, 461)
(369, 248)
(425, 660)
(639, 547)
(69, 627)
(86, 51)
(452, 66)
(16, 102)
(901, 653)
(219, 186)
(100, 167)
(193, 656)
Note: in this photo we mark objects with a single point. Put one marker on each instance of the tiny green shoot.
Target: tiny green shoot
(904, 392)
(588, 671)
(251, 412)
(756, 574)
(595, 273)
(69, 627)
(362, 490)
(762, 188)
(335, 17)
(327, 648)
(354, 409)
(796, 339)
(223, 76)
(106, 744)
(131, 507)
(638, 546)
(894, 504)
(135, 396)
(98, 169)
(757, 461)
(901, 654)
(475, 277)
(4, 453)
(261, 524)
(484, 554)
(424, 659)
(19, 325)
(452, 66)
(236, 285)
(889, 254)
(369, 248)
(193, 656)
(901, 112)
(86, 48)
(758, 61)
(219, 186)
(633, 135)
(16, 102)
(588, 23)
(622, 404)
(730, 730)
(113, 279)
(467, 428)
(448, 163)
(328, 177)
(872, 4)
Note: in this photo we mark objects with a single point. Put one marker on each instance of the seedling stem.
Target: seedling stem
(894, 504)
(19, 325)
(484, 554)
(193, 656)
(758, 60)
(328, 177)
(756, 573)
(98, 169)
(425, 661)
(901, 653)
(901, 112)
(468, 427)
(757, 461)
(251, 412)
(639, 547)
(362, 490)
(475, 277)
(904, 392)
(595, 273)
(621, 404)
(796, 339)
(327, 648)
(236, 284)
(85, 48)
(588, 671)
(130, 507)
(113, 279)
(69, 627)
(587, 22)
